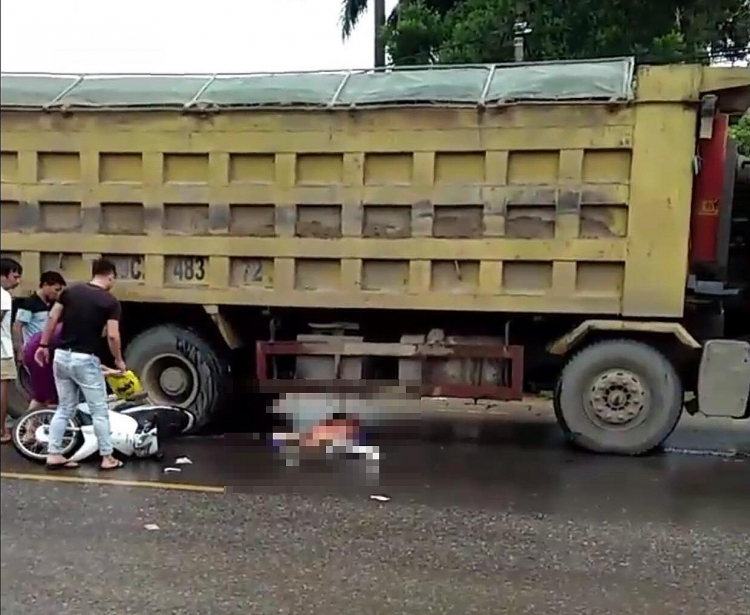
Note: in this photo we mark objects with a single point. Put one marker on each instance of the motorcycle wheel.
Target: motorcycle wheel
(31, 433)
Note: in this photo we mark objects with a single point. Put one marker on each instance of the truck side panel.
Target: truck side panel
(558, 208)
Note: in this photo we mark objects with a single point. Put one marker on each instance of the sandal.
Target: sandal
(68, 465)
(5, 438)
(116, 466)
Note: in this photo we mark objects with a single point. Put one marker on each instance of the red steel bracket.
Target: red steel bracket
(510, 390)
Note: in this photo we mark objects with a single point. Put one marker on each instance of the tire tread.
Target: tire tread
(630, 446)
(218, 384)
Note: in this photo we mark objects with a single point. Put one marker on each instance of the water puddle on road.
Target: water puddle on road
(730, 454)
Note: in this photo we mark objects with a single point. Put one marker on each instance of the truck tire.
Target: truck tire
(618, 396)
(178, 367)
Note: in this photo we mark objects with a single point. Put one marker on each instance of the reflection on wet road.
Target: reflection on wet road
(525, 525)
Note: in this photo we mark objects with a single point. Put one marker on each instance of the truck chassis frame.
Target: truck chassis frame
(509, 390)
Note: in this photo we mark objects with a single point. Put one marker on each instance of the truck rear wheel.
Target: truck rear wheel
(178, 367)
(618, 396)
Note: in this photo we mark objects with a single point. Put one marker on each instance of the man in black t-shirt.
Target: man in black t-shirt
(84, 310)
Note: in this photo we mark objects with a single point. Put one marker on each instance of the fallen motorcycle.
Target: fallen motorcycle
(137, 425)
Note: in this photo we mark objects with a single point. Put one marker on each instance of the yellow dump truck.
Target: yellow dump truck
(477, 232)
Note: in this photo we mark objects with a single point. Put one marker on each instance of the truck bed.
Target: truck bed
(542, 203)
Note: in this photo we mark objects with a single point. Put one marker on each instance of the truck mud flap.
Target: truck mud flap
(724, 379)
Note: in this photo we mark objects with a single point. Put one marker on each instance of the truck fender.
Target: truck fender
(567, 342)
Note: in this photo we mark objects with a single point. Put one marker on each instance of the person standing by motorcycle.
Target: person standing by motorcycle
(33, 310)
(10, 277)
(30, 319)
(41, 377)
(84, 310)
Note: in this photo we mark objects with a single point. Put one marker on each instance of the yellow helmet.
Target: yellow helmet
(125, 385)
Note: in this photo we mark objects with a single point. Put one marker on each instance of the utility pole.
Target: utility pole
(379, 10)
(520, 30)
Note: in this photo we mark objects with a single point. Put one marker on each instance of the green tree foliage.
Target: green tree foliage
(468, 31)
(351, 11)
(741, 132)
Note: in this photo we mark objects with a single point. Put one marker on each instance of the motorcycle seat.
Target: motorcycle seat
(125, 405)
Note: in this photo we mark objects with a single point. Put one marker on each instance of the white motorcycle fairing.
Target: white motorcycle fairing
(126, 437)
(136, 430)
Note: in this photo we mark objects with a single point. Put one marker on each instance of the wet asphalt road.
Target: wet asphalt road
(521, 526)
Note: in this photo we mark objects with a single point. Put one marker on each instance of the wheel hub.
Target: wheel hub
(617, 397)
(41, 434)
(170, 379)
(174, 381)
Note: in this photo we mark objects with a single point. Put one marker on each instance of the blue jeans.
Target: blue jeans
(79, 374)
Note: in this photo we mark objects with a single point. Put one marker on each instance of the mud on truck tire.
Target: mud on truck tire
(618, 396)
(177, 366)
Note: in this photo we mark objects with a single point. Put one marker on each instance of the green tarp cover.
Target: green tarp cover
(610, 80)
